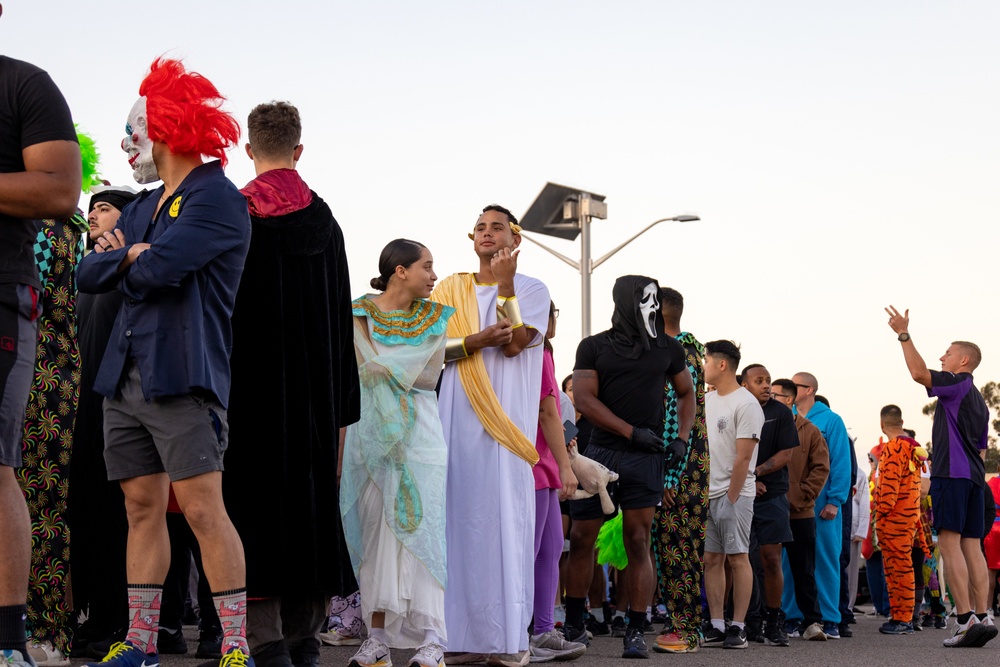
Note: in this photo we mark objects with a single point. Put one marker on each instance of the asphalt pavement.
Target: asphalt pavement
(866, 648)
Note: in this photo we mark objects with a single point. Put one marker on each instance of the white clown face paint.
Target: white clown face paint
(138, 145)
(648, 305)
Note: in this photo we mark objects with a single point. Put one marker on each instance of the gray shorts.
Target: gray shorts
(727, 530)
(183, 436)
(18, 340)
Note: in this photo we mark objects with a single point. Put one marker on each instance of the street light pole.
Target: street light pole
(586, 265)
(677, 218)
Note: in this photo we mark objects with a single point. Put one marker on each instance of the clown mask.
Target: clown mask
(649, 305)
(138, 145)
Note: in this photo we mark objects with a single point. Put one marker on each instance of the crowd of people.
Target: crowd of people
(412, 445)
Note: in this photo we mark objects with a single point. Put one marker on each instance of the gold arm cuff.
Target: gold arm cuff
(454, 349)
(513, 312)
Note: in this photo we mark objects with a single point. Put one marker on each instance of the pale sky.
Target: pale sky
(842, 156)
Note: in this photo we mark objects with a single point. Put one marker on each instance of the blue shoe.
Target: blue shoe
(126, 654)
(831, 630)
(793, 627)
(894, 627)
(235, 657)
(634, 645)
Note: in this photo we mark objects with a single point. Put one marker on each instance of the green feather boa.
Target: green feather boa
(611, 544)
(89, 158)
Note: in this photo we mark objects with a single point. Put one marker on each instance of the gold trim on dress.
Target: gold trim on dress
(404, 324)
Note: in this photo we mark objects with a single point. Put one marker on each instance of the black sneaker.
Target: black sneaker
(597, 628)
(87, 633)
(647, 627)
(845, 630)
(274, 654)
(634, 644)
(940, 622)
(171, 642)
(304, 652)
(735, 638)
(575, 634)
(928, 621)
(210, 646)
(618, 626)
(754, 633)
(713, 636)
(774, 634)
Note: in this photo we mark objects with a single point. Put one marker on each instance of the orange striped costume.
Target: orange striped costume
(897, 518)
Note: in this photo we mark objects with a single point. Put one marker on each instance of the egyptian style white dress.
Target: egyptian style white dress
(392, 493)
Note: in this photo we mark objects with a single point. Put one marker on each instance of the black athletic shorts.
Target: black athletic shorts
(959, 506)
(770, 520)
(639, 485)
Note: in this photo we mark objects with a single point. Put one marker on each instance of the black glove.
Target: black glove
(676, 451)
(644, 440)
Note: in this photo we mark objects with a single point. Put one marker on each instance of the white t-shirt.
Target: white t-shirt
(728, 418)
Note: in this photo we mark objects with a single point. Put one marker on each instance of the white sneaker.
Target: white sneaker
(428, 655)
(814, 633)
(334, 638)
(966, 634)
(11, 658)
(552, 645)
(982, 631)
(519, 659)
(46, 655)
(372, 653)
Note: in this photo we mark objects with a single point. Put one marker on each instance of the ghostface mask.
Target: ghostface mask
(637, 321)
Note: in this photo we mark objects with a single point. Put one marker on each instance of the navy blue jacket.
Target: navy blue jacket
(179, 294)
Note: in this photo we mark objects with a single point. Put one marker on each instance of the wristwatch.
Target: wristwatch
(903, 337)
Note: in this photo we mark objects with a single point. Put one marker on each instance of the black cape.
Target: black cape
(96, 507)
(295, 383)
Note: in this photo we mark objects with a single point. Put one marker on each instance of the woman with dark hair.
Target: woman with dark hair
(554, 481)
(392, 493)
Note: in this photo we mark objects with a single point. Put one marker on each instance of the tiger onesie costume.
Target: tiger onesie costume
(897, 519)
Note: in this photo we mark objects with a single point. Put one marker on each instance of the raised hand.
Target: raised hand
(898, 323)
(503, 264)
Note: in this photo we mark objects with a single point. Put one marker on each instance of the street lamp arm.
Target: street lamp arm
(572, 262)
(597, 262)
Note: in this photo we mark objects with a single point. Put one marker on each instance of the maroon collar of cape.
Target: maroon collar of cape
(277, 192)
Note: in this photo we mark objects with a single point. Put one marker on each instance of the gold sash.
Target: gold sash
(459, 291)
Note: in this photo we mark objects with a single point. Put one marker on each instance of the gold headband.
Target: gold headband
(514, 227)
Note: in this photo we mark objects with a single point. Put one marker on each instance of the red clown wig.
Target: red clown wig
(183, 111)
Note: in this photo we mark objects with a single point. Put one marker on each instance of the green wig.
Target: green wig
(90, 158)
